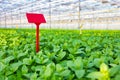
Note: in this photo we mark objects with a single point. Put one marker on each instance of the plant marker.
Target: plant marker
(36, 19)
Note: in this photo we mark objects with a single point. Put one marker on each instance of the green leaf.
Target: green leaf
(1, 54)
(49, 70)
(97, 62)
(19, 74)
(114, 70)
(117, 77)
(2, 66)
(27, 61)
(15, 66)
(65, 46)
(38, 60)
(90, 65)
(79, 51)
(34, 76)
(9, 71)
(59, 68)
(65, 73)
(24, 69)
(78, 63)
(45, 61)
(71, 65)
(39, 68)
(71, 56)
(79, 73)
(56, 49)
(12, 77)
(103, 68)
(88, 49)
(71, 50)
(28, 75)
(8, 59)
(61, 55)
(2, 77)
(21, 54)
(95, 75)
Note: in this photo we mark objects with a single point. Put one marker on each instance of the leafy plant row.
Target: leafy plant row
(64, 55)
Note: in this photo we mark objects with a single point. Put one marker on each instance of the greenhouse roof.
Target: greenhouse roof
(58, 5)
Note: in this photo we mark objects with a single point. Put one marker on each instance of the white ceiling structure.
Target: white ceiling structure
(58, 7)
(13, 11)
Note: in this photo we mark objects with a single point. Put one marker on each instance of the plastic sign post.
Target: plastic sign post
(36, 19)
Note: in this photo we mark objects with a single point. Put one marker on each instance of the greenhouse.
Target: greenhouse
(59, 39)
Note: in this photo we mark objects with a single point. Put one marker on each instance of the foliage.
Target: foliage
(64, 55)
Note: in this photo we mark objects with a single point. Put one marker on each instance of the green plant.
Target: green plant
(64, 55)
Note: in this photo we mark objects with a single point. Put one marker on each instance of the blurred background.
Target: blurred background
(62, 14)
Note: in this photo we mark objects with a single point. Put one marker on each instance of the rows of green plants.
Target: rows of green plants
(64, 55)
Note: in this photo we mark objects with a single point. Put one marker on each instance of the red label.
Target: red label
(35, 18)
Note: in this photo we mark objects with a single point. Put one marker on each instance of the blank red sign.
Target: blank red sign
(35, 18)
